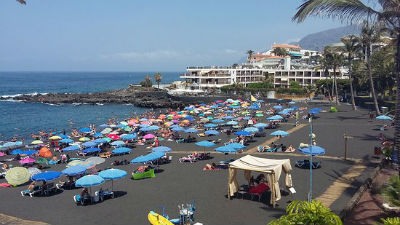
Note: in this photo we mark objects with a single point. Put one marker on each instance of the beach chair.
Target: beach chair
(305, 164)
(260, 148)
(189, 158)
(32, 193)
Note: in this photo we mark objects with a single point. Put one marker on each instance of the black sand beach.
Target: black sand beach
(181, 183)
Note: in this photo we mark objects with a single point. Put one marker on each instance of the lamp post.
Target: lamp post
(311, 158)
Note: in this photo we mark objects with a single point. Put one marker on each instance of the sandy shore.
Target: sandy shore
(179, 183)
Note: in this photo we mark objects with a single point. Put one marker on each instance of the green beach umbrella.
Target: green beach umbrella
(259, 115)
(42, 161)
(17, 175)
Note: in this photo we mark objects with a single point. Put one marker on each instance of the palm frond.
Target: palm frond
(349, 10)
(22, 2)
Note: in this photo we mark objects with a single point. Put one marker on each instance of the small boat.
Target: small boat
(157, 219)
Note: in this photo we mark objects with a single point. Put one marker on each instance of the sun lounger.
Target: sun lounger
(305, 164)
(35, 191)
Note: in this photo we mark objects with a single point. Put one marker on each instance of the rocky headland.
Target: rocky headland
(136, 95)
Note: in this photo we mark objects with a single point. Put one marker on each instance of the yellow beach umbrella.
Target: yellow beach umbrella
(17, 175)
(36, 142)
(84, 139)
(55, 137)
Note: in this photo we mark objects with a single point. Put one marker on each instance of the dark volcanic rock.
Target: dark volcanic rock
(149, 98)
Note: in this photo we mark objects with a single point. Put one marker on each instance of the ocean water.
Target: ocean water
(21, 119)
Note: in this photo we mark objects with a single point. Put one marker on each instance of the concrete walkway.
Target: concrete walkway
(10, 220)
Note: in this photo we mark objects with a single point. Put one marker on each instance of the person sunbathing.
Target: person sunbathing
(211, 166)
(290, 149)
(259, 188)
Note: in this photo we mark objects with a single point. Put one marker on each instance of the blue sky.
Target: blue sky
(151, 35)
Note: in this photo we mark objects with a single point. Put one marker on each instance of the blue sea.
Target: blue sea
(21, 119)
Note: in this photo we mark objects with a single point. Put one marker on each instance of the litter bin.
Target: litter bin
(384, 109)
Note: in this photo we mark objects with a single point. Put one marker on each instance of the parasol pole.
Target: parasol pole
(311, 159)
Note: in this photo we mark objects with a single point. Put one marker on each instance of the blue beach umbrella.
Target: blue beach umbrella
(85, 130)
(178, 129)
(127, 137)
(161, 149)
(279, 133)
(71, 148)
(242, 133)
(91, 150)
(211, 132)
(232, 123)
(117, 143)
(276, 117)
(112, 174)
(205, 143)
(226, 149)
(17, 151)
(98, 135)
(312, 150)
(383, 117)
(210, 125)
(260, 125)
(100, 140)
(228, 117)
(121, 150)
(278, 107)
(89, 181)
(66, 141)
(46, 176)
(74, 170)
(191, 130)
(251, 129)
(89, 144)
(218, 121)
(236, 145)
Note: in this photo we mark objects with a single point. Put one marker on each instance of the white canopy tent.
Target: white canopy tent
(271, 167)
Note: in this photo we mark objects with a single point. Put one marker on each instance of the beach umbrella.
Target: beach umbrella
(55, 137)
(276, 117)
(278, 107)
(13, 144)
(27, 160)
(112, 174)
(35, 142)
(46, 176)
(117, 143)
(74, 170)
(76, 162)
(34, 170)
(260, 125)
(98, 135)
(383, 117)
(259, 115)
(101, 140)
(95, 160)
(161, 149)
(2, 154)
(232, 123)
(106, 130)
(17, 175)
(17, 152)
(71, 148)
(41, 160)
(128, 137)
(236, 145)
(211, 132)
(210, 125)
(121, 150)
(149, 136)
(89, 181)
(228, 117)
(191, 130)
(312, 150)
(84, 139)
(218, 121)
(85, 130)
(177, 128)
(226, 149)
(279, 133)
(45, 152)
(251, 129)
(205, 143)
(91, 150)
(89, 144)
(149, 157)
(66, 141)
(242, 133)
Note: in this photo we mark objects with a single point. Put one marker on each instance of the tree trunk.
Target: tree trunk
(371, 81)
(397, 112)
(335, 82)
(353, 102)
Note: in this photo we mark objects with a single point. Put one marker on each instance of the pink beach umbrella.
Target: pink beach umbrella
(113, 136)
(2, 154)
(149, 136)
(27, 160)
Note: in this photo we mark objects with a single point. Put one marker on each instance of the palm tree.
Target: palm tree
(304, 212)
(249, 55)
(370, 35)
(280, 52)
(158, 78)
(352, 48)
(388, 11)
(334, 59)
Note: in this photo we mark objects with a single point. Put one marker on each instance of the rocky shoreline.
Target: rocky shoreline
(138, 96)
